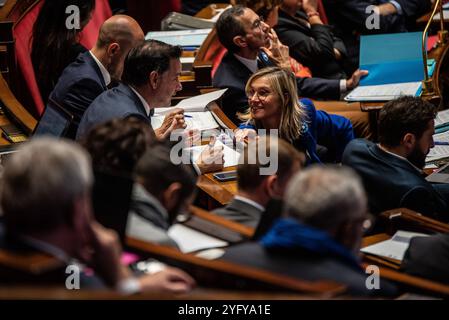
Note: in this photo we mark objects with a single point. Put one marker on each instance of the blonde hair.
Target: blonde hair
(283, 84)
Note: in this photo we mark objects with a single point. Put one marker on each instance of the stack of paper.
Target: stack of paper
(194, 120)
(442, 121)
(395, 66)
(190, 240)
(439, 151)
(184, 38)
(194, 104)
(394, 248)
(231, 156)
(195, 115)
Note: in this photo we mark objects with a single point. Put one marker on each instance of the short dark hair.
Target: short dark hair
(228, 27)
(404, 115)
(157, 172)
(249, 176)
(151, 55)
(116, 145)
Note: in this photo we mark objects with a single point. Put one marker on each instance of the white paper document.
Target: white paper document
(190, 240)
(439, 151)
(442, 118)
(231, 156)
(191, 37)
(384, 92)
(194, 120)
(194, 104)
(437, 16)
(394, 248)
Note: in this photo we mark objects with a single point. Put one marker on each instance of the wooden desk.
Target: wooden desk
(386, 262)
(211, 10)
(222, 192)
(406, 219)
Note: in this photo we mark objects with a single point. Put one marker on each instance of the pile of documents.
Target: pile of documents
(395, 66)
(394, 248)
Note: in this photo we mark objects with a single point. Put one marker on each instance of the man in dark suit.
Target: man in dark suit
(392, 170)
(354, 17)
(255, 190)
(150, 79)
(93, 71)
(161, 192)
(56, 219)
(311, 42)
(428, 257)
(251, 44)
(319, 236)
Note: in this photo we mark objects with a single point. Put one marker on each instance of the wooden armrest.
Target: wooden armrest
(414, 219)
(413, 282)
(239, 273)
(14, 109)
(231, 225)
(35, 263)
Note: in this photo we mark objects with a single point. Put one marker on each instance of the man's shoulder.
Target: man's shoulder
(78, 72)
(229, 68)
(359, 146)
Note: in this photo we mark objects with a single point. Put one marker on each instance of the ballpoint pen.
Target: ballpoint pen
(441, 143)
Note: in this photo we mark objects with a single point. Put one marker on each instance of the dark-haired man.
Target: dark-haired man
(150, 79)
(392, 170)
(162, 191)
(256, 190)
(252, 45)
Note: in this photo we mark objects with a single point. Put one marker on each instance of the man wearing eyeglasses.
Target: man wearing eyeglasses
(252, 45)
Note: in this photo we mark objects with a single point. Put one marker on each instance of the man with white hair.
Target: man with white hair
(319, 235)
(45, 198)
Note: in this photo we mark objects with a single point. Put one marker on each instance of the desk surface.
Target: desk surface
(386, 262)
(222, 192)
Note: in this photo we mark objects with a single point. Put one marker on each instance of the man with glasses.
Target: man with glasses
(252, 45)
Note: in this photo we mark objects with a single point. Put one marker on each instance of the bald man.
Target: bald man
(94, 71)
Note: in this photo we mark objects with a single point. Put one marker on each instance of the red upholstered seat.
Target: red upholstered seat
(217, 59)
(322, 12)
(23, 30)
(90, 33)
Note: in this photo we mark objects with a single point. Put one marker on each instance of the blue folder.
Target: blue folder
(391, 58)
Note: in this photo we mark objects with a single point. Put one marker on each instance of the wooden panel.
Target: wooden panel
(15, 110)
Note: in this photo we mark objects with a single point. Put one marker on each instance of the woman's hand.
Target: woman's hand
(244, 135)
